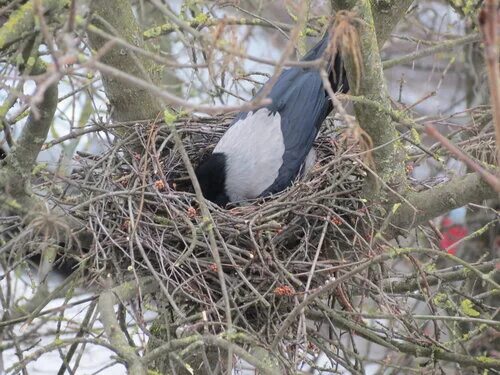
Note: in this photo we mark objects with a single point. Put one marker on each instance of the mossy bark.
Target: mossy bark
(436, 201)
(386, 14)
(129, 103)
(22, 21)
(388, 154)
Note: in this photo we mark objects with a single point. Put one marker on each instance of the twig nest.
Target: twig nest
(147, 221)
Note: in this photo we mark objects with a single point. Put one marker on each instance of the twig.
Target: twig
(493, 181)
(488, 22)
(441, 47)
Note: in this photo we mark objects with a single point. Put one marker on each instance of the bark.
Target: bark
(22, 22)
(15, 175)
(388, 154)
(129, 102)
(386, 14)
(424, 206)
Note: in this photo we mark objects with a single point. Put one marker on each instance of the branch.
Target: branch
(415, 282)
(130, 103)
(121, 293)
(388, 155)
(16, 173)
(493, 181)
(430, 351)
(386, 14)
(22, 21)
(258, 363)
(116, 337)
(488, 22)
(441, 47)
(438, 200)
(204, 20)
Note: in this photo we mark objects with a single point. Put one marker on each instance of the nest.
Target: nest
(147, 221)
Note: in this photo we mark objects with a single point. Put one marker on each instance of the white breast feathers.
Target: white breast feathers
(254, 149)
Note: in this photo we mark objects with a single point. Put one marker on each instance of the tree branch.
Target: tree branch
(22, 21)
(386, 14)
(431, 351)
(441, 47)
(16, 173)
(438, 200)
(116, 336)
(415, 282)
(204, 20)
(130, 103)
(388, 154)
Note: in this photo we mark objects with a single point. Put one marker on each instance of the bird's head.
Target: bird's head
(211, 175)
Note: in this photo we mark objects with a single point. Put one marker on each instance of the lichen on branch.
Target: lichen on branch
(129, 102)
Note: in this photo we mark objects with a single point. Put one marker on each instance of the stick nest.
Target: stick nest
(147, 221)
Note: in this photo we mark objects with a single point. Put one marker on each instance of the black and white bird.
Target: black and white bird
(264, 150)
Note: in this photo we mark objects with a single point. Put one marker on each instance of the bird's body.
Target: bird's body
(264, 149)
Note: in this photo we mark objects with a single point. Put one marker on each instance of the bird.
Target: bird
(265, 149)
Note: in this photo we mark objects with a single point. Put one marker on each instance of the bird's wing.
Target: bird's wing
(303, 104)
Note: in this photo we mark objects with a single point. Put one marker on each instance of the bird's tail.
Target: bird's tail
(336, 72)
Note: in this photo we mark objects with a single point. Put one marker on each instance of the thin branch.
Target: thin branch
(204, 20)
(432, 351)
(441, 47)
(116, 337)
(414, 282)
(488, 22)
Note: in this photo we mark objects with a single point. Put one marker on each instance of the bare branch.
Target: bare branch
(116, 336)
(438, 200)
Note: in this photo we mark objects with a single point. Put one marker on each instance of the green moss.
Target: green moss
(162, 220)
(201, 18)
(394, 252)
(442, 300)
(467, 307)
(469, 7)
(23, 20)
(153, 33)
(415, 136)
(38, 168)
(430, 267)
(169, 117)
(395, 207)
(12, 203)
(15, 23)
(206, 224)
(487, 360)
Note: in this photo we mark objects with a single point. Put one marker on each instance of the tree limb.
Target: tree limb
(386, 14)
(438, 200)
(440, 47)
(16, 173)
(116, 336)
(130, 103)
(431, 351)
(22, 21)
(388, 155)
(414, 282)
